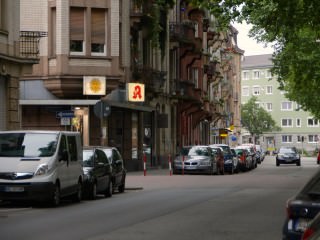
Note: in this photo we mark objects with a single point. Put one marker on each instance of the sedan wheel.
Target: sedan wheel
(109, 190)
(93, 194)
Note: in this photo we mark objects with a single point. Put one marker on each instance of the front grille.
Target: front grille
(15, 176)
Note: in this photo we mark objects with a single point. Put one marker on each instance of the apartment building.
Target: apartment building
(90, 51)
(12, 64)
(298, 128)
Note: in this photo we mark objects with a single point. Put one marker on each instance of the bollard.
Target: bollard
(183, 165)
(144, 164)
(170, 167)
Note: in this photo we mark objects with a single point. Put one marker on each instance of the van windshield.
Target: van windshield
(28, 144)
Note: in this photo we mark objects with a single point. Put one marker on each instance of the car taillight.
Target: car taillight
(307, 233)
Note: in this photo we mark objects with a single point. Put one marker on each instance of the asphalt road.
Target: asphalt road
(248, 205)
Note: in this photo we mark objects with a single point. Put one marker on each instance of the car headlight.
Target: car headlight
(42, 169)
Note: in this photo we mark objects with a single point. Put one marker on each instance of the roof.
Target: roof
(256, 61)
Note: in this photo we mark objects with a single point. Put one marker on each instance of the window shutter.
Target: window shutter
(77, 24)
(98, 26)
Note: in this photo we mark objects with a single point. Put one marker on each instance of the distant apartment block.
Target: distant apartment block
(298, 128)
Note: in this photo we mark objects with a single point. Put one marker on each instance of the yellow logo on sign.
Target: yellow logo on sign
(95, 85)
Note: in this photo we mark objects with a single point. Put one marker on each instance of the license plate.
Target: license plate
(301, 224)
(13, 189)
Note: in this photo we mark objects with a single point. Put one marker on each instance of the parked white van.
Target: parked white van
(40, 165)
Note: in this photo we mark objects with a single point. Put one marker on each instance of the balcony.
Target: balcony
(182, 32)
(153, 79)
(29, 43)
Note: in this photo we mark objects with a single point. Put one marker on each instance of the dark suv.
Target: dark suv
(288, 155)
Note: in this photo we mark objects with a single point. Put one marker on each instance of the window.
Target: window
(98, 46)
(286, 139)
(313, 122)
(298, 122)
(286, 122)
(269, 75)
(194, 76)
(72, 143)
(246, 75)
(286, 106)
(77, 31)
(300, 138)
(196, 30)
(256, 90)
(269, 107)
(256, 74)
(269, 90)
(245, 91)
(312, 138)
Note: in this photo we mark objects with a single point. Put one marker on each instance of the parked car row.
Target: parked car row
(104, 171)
(217, 159)
(46, 166)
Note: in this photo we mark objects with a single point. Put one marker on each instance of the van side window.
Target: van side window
(72, 143)
(63, 144)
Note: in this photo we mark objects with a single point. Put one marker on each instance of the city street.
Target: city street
(248, 205)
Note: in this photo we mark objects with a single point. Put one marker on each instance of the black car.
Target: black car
(118, 170)
(302, 208)
(97, 173)
(288, 155)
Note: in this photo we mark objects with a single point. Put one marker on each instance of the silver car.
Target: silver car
(195, 159)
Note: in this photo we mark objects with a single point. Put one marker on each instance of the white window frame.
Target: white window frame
(256, 72)
(269, 106)
(286, 138)
(269, 90)
(244, 75)
(268, 73)
(82, 53)
(254, 92)
(289, 122)
(245, 90)
(298, 122)
(314, 124)
(312, 138)
(288, 106)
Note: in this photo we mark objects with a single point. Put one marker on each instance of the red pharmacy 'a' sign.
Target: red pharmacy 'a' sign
(135, 92)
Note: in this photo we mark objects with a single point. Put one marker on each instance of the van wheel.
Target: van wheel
(77, 197)
(93, 194)
(55, 200)
(109, 190)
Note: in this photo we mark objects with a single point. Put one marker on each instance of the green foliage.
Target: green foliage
(294, 29)
(256, 119)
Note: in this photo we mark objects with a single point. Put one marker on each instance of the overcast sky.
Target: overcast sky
(249, 45)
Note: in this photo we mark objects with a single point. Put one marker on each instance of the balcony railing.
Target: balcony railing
(182, 32)
(29, 43)
(153, 79)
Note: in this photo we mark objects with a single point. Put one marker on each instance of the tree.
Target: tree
(256, 119)
(294, 28)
